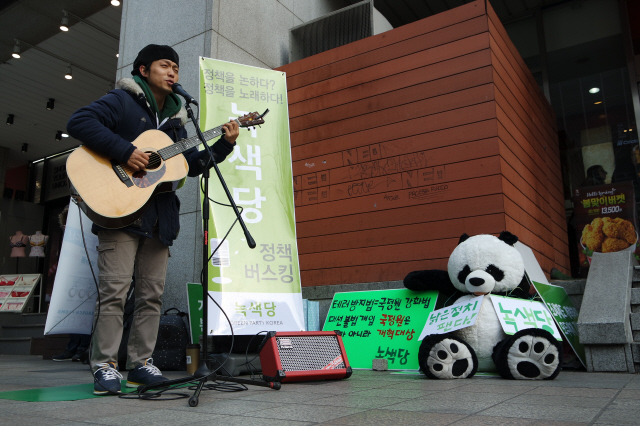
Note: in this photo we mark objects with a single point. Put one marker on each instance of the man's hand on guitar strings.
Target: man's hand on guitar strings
(138, 160)
(231, 130)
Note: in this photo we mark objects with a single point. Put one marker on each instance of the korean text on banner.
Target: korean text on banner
(382, 324)
(565, 314)
(518, 314)
(74, 289)
(461, 314)
(259, 289)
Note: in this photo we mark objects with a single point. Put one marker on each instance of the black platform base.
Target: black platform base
(235, 364)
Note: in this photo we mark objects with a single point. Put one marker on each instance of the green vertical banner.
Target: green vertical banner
(259, 289)
(194, 301)
(565, 314)
(381, 324)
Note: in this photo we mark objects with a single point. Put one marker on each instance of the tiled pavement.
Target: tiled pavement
(367, 398)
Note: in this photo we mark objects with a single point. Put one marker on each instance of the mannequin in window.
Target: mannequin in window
(38, 241)
(18, 243)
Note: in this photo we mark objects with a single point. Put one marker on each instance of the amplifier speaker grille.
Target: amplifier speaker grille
(304, 355)
(308, 352)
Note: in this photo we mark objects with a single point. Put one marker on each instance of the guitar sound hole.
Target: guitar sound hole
(154, 160)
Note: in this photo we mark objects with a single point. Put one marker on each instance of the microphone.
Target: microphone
(178, 90)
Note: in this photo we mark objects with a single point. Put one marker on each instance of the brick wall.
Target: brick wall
(403, 141)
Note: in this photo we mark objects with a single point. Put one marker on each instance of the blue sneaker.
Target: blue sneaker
(145, 374)
(106, 379)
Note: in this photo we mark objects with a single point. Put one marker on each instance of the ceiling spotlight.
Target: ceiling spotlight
(115, 2)
(68, 75)
(10, 120)
(64, 24)
(50, 104)
(25, 147)
(60, 135)
(594, 90)
(117, 55)
(16, 50)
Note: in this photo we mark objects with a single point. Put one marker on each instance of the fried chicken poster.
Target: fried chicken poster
(605, 218)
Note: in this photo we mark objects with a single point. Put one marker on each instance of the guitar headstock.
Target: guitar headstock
(252, 119)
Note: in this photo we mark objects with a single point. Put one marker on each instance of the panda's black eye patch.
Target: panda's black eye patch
(462, 275)
(495, 272)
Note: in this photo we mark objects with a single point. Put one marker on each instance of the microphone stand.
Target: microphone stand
(204, 373)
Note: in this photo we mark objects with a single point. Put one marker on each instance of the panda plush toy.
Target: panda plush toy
(484, 265)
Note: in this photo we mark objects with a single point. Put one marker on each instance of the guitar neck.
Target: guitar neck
(186, 144)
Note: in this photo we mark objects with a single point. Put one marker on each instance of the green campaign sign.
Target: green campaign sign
(381, 324)
(517, 314)
(194, 301)
(258, 288)
(565, 314)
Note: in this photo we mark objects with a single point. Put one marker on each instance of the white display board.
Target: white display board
(461, 314)
(74, 290)
(518, 314)
(531, 265)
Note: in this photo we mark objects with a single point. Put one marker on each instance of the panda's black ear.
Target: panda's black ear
(464, 237)
(508, 238)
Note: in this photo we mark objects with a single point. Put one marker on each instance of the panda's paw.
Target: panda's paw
(530, 354)
(447, 357)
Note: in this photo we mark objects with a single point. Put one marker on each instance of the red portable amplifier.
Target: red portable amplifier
(303, 355)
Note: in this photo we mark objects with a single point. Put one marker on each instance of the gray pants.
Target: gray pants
(118, 253)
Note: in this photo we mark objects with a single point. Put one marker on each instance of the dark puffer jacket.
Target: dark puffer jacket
(110, 124)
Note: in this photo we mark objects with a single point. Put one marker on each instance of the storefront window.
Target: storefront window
(589, 90)
(35, 182)
(596, 129)
(590, 93)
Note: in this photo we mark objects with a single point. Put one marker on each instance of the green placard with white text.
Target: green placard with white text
(381, 324)
(564, 313)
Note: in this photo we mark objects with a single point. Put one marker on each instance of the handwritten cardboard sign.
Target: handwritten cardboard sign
(381, 324)
(459, 315)
(518, 314)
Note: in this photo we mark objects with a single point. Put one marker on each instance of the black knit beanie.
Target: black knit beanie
(151, 53)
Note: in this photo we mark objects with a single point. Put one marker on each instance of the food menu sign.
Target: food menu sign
(381, 324)
(605, 220)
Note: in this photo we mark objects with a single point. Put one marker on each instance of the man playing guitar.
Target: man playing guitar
(108, 126)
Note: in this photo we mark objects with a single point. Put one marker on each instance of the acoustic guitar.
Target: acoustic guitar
(114, 196)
